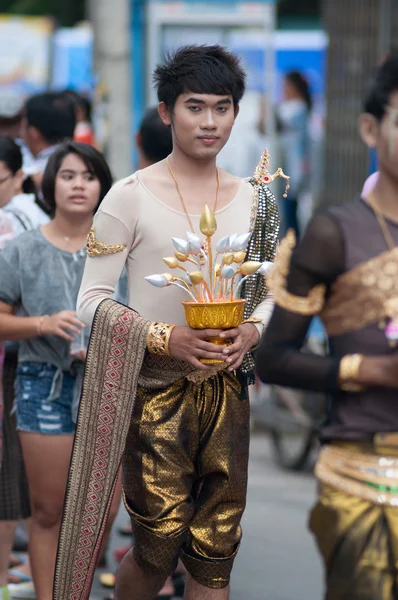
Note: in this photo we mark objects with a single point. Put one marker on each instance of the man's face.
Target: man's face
(387, 138)
(202, 123)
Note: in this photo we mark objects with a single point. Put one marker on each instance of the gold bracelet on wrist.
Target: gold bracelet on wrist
(158, 338)
(349, 373)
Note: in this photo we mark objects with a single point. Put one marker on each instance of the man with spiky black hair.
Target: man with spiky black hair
(186, 444)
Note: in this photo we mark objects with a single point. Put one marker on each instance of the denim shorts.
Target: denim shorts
(34, 412)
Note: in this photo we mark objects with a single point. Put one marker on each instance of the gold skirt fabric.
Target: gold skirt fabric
(185, 476)
(355, 521)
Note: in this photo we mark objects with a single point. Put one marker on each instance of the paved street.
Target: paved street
(277, 560)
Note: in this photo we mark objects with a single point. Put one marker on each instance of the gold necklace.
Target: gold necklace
(382, 222)
(182, 199)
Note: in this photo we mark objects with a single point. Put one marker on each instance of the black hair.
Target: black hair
(79, 101)
(156, 138)
(384, 83)
(202, 70)
(301, 84)
(52, 115)
(10, 154)
(92, 158)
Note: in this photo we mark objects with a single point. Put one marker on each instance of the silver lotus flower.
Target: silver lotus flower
(180, 245)
(240, 242)
(223, 245)
(158, 280)
(194, 243)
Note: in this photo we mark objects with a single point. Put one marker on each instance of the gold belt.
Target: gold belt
(359, 471)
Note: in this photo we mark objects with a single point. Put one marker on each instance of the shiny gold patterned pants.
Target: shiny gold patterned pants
(185, 477)
(358, 541)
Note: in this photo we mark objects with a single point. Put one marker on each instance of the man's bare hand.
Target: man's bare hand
(242, 339)
(191, 345)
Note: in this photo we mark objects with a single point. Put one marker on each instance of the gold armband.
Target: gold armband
(349, 373)
(96, 248)
(158, 338)
(252, 320)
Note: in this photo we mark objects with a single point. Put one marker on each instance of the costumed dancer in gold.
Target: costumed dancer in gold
(182, 426)
(346, 270)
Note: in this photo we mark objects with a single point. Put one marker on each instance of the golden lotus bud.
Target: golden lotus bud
(196, 277)
(239, 257)
(217, 269)
(250, 267)
(171, 262)
(207, 223)
(180, 256)
(228, 258)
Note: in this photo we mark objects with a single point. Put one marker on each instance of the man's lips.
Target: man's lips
(208, 139)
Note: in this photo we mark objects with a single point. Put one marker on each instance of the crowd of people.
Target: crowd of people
(168, 401)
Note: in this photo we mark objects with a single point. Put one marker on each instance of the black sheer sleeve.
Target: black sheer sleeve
(318, 259)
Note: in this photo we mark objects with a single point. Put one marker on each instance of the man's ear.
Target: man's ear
(164, 113)
(368, 129)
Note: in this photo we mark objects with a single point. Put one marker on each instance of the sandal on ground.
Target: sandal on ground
(13, 575)
(16, 559)
(125, 530)
(22, 590)
(107, 580)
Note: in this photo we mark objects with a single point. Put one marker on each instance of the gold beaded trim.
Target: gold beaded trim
(277, 282)
(359, 474)
(96, 248)
(158, 338)
(349, 372)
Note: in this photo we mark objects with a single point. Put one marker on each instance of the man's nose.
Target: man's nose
(208, 121)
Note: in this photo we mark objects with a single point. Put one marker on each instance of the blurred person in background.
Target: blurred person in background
(14, 498)
(346, 270)
(41, 272)
(293, 117)
(84, 130)
(49, 119)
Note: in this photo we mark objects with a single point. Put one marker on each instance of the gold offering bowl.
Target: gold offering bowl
(214, 315)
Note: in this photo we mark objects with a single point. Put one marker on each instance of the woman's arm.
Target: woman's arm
(13, 327)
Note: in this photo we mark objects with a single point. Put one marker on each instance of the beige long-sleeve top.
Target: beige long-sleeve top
(132, 216)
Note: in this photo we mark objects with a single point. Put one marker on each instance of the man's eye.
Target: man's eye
(222, 109)
(66, 177)
(194, 108)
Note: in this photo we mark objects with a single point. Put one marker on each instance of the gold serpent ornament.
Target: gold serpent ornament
(96, 248)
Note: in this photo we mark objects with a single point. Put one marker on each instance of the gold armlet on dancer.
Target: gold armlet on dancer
(349, 373)
(96, 248)
(158, 338)
(277, 282)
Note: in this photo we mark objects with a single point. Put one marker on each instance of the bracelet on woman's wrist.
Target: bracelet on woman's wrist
(40, 325)
(349, 373)
(158, 338)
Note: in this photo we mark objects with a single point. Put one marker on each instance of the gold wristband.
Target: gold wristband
(158, 338)
(349, 373)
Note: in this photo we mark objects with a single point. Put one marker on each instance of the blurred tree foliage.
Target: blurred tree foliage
(65, 12)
